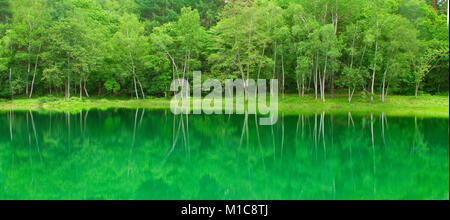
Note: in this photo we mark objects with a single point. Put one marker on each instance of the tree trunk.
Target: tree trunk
(10, 124)
(283, 76)
(323, 80)
(85, 89)
(135, 84)
(142, 90)
(375, 65)
(81, 89)
(332, 83)
(10, 83)
(417, 89)
(320, 84)
(34, 74)
(26, 78)
(384, 85)
(68, 77)
(448, 13)
(260, 64)
(303, 85)
(315, 76)
(275, 61)
(135, 87)
(68, 87)
(350, 94)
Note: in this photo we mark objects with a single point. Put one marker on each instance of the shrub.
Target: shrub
(47, 99)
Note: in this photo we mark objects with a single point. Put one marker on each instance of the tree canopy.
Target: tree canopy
(135, 48)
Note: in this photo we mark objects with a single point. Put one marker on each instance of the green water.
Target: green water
(129, 154)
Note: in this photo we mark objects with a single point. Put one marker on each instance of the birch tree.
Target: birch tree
(131, 46)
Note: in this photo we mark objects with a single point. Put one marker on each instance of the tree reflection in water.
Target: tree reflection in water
(142, 154)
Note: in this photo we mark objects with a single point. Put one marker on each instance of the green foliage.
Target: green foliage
(68, 47)
(112, 85)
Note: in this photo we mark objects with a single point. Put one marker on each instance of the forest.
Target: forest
(135, 48)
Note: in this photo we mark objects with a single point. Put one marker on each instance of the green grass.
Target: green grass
(426, 105)
(435, 106)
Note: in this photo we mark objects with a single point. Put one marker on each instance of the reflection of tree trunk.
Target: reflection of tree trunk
(81, 122)
(10, 124)
(371, 129)
(332, 129)
(350, 136)
(282, 135)
(35, 135)
(322, 123)
(315, 134)
(142, 117)
(259, 141)
(374, 161)
(28, 130)
(50, 129)
(382, 128)
(416, 129)
(273, 143)
(68, 131)
(244, 129)
(34, 130)
(133, 143)
(175, 136)
(85, 120)
(350, 119)
(303, 126)
(134, 128)
(184, 133)
(187, 134)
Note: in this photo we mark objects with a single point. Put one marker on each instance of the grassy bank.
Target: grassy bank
(436, 106)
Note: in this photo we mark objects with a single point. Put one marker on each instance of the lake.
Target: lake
(145, 154)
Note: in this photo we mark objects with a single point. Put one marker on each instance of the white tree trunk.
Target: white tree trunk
(375, 65)
(34, 74)
(10, 83)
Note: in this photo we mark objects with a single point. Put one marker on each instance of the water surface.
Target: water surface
(137, 154)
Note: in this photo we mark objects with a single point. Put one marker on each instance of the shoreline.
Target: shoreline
(425, 106)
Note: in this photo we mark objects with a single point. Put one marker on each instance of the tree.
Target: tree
(137, 47)
(426, 64)
(131, 46)
(397, 45)
(29, 23)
